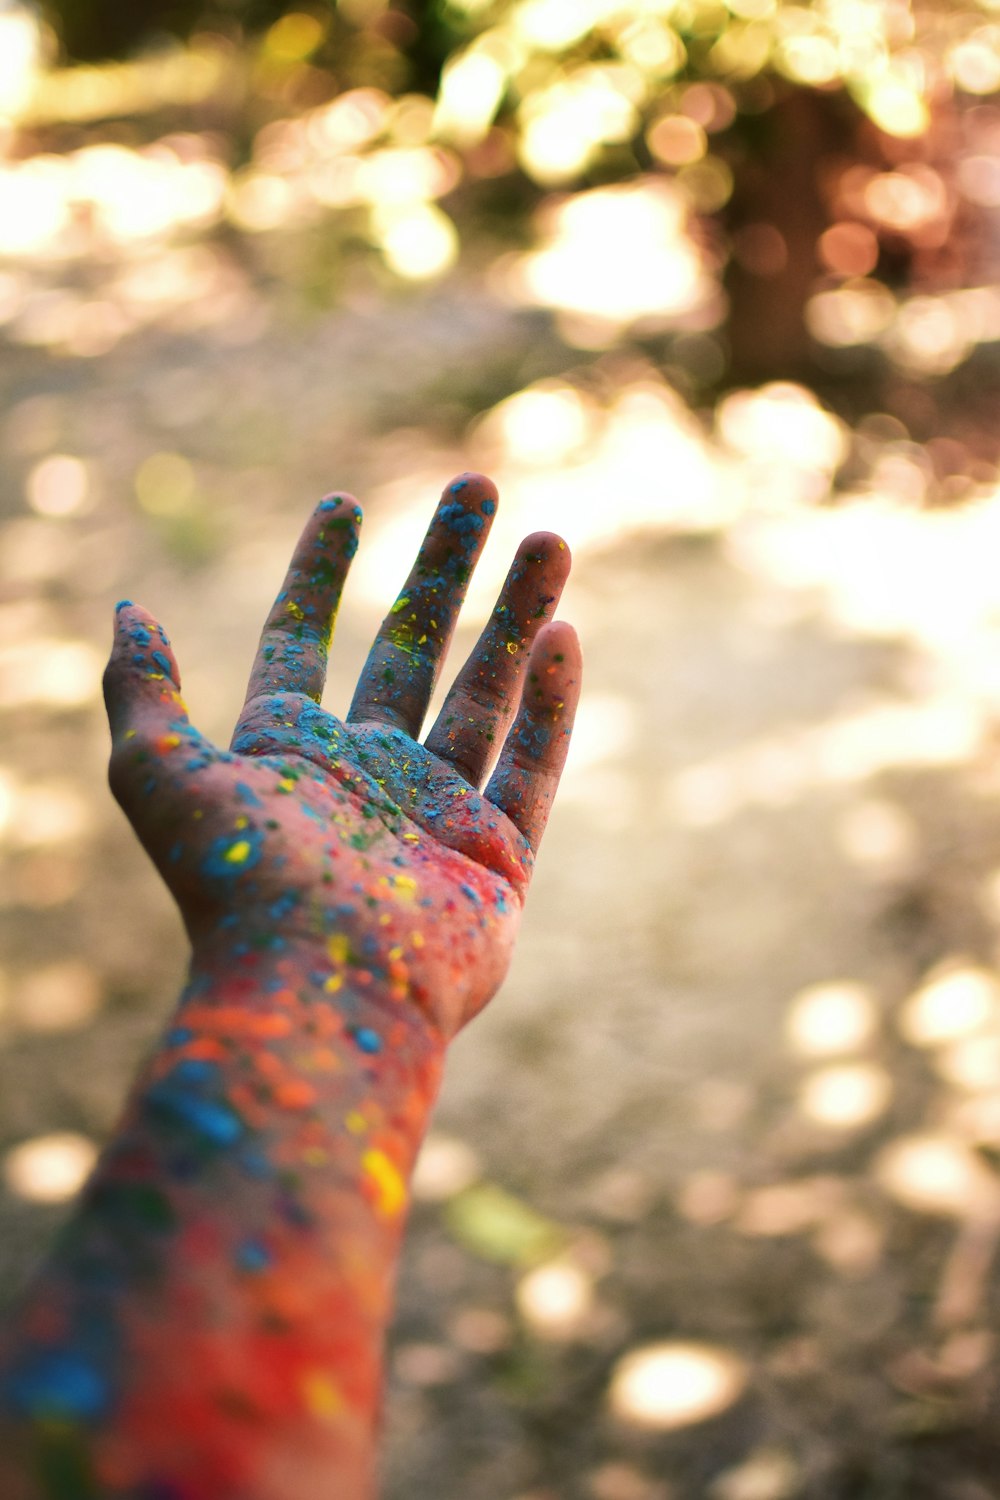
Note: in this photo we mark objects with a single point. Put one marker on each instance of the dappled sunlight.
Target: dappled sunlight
(828, 1019)
(848, 1096)
(613, 256)
(732, 1128)
(55, 997)
(556, 1299)
(49, 1168)
(939, 1174)
(958, 1000)
(672, 1385)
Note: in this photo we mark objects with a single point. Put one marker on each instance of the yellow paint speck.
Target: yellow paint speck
(295, 610)
(387, 1181)
(405, 884)
(322, 1395)
(356, 1124)
(130, 734)
(417, 939)
(237, 853)
(242, 822)
(334, 983)
(395, 953)
(339, 947)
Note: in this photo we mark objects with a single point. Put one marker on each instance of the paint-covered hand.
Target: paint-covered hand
(375, 857)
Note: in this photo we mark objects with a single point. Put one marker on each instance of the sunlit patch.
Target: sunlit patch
(677, 140)
(708, 1197)
(426, 1365)
(895, 104)
(50, 1168)
(827, 1019)
(616, 255)
(480, 1330)
(555, 24)
(618, 1481)
(770, 1473)
(20, 57)
(418, 241)
(956, 1001)
(972, 1064)
(444, 1167)
(850, 1241)
(974, 62)
(58, 486)
(294, 37)
(165, 484)
(470, 91)
(555, 1299)
(785, 1208)
(671, 1385)
(938, 1174)
(47, 813)
(56, 997)
(782, 424)
(877, 836)
(846, 1097)
(856, 313)
(546, 423)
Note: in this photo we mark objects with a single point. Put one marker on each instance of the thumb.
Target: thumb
(141, 680)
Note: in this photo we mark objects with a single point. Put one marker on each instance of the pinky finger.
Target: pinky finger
(523, 786)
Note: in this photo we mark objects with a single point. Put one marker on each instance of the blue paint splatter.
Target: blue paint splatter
(196, 1070)
(209, 1118)
(367, 1040)
(466, 522)
(248, 795)
(163, 663)
(251, 1255)
(58, 1385)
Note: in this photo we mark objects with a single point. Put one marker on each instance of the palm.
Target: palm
(311, 825)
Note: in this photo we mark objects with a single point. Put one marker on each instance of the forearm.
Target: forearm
(212, 1319)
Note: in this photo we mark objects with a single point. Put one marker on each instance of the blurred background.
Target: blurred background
(711, 1208)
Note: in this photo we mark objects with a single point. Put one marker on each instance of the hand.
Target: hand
(377, 858)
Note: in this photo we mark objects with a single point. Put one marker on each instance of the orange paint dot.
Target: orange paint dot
(295, 1094)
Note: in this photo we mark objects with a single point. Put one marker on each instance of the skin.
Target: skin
(211, 1322)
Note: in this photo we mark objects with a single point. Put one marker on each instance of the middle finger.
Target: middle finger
(403, 665)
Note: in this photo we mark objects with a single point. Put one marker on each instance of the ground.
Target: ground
(740, 1089)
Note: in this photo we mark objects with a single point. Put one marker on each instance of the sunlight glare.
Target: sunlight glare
(846, 1097)
(555, 1299)
(939, 1174)
(50, 1168)
(956, 1001)
(672, 1385)
(831, 1018)
(617, 254)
